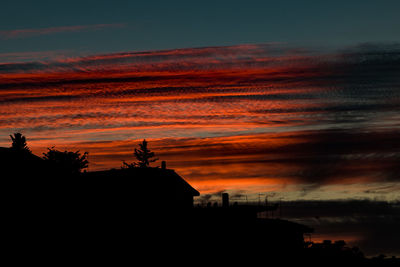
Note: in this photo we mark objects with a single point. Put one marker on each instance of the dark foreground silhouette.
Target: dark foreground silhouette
(142, 215)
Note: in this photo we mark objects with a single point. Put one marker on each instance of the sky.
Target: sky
(73, 28)
(291, 99)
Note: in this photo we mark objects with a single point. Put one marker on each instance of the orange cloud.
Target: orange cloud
(259, 115)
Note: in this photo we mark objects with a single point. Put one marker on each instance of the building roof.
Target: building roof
(9, 154)
(17, 163)
(142, 180)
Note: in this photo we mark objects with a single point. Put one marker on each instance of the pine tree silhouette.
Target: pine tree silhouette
(144, 155)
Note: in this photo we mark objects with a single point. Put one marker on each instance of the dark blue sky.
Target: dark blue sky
(148, 25)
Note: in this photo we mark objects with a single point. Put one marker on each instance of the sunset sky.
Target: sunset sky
(296, 99)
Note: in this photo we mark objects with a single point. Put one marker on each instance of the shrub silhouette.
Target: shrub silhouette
(69, 162)
(19, 143)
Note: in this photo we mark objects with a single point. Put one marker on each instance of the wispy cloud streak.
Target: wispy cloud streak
(342, 109)
(23, 33)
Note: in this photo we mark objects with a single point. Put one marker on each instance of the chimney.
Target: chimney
(225, 200)
(163, 165)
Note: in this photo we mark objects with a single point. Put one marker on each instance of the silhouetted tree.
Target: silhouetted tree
(143, 155)
(69, 162)
(19, 143)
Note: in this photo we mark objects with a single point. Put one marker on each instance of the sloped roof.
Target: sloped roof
(146, 179)
(20, 162)
(9, 154)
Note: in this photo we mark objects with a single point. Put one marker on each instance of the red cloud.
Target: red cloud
(222, 98)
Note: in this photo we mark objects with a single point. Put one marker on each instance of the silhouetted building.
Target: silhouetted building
(155, 188)
(244, 231)
(21, 164)
(152, 207)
